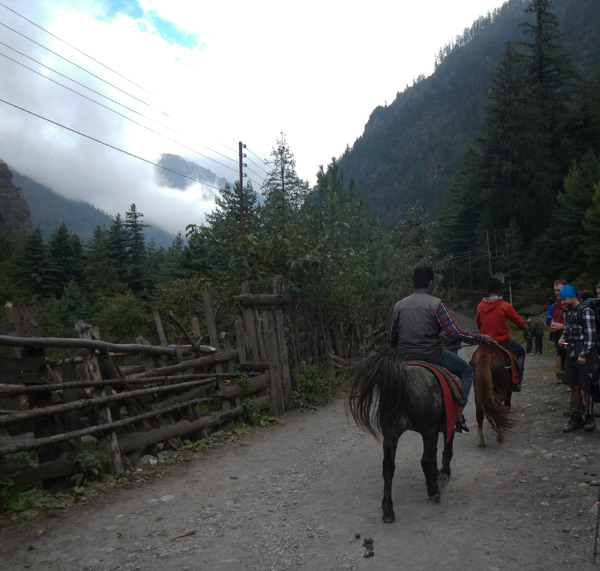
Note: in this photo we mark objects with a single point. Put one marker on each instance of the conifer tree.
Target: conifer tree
(30, 269)
(136, 270)
(65, 253)
(101, 272)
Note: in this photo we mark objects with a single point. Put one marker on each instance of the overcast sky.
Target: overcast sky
(195, 77)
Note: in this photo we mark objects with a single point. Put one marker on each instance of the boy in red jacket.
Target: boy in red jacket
(491, 316)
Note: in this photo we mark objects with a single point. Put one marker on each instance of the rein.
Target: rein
(508, 353)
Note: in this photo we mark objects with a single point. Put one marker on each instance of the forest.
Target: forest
(533, 170)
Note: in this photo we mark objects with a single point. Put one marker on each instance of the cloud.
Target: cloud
(195, 78)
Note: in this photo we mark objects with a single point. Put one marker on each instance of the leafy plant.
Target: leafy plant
(92, 461)
(315, 386)
(253, 415)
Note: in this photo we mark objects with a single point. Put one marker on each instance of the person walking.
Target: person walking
(491, 317)
(538, 335)
(416, 324)
(529, 340)
(555, 319)
(579, 340)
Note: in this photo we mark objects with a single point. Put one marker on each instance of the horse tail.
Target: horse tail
(487, 400)
(376, 392)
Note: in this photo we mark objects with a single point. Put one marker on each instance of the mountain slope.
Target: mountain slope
(412, 148)
(49, 210)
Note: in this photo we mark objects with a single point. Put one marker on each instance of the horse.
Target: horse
(387, 397)
(492, 388)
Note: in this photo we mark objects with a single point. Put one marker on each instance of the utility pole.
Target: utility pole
(242, 156)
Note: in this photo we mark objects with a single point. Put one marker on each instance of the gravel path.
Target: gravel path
(306, 494)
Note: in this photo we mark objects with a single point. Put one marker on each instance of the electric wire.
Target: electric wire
(81, 68)
(74, 47)
(108, 83)
(106, 144)
(264, 161)
(118, 113)
(74, 81)
(258, 166)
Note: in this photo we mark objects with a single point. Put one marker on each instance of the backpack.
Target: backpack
(594, 304)
(593, 387)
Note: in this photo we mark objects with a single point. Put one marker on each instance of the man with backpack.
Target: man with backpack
(579, 340)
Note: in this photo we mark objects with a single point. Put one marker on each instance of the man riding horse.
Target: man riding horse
(417, 322)
(491, 317)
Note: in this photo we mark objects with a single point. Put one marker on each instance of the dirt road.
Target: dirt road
(306, 494)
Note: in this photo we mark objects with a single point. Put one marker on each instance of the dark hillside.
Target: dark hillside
(412, 148)
(49, 210)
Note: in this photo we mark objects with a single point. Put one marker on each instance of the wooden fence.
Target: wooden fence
(132, 397)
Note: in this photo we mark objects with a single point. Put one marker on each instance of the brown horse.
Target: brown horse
(492, 384)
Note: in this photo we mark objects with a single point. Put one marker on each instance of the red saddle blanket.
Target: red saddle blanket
(450, 401)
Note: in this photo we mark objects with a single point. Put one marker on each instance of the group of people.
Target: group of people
(537, 334)
(573, 329)
(420, 320)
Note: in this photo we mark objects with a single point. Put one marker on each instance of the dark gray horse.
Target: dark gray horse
(387, 398)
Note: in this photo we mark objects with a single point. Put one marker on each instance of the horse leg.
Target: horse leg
(506, 403)
(429, 465)
(446, 459)
(479, 417)
(389, 467)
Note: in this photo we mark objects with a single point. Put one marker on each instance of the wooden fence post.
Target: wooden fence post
(92, 369)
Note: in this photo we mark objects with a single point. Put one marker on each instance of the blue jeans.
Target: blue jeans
(458, 367)
(516, 348)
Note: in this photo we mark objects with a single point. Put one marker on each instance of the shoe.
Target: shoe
(461, 426)
(575, 423)
(516, 388)
(590, 423)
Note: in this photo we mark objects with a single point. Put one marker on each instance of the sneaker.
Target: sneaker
(461, 426)
(590, 423)
(516, 388)
(575, 423)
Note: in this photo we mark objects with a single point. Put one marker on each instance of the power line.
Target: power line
(109, 99)
(74, 81)
(106, 144)
(81, 68)
(264, 161)
(117, 113)
(106, 97)
(74, 47)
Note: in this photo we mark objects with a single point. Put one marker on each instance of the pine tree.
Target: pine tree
(136, 269)
(101, 272)
(117, 242)
(30, 268)
(65, 254)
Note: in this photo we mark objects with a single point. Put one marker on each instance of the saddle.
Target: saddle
(451, 391)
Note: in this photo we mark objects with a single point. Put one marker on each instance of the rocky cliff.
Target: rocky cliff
(15, 221)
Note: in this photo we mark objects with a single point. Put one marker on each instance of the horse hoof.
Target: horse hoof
(389, 518)
(443, 479)
(435, 499)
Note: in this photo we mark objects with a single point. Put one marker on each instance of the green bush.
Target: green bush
(315, 386)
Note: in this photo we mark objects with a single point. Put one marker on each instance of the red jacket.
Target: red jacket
(491, 317)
